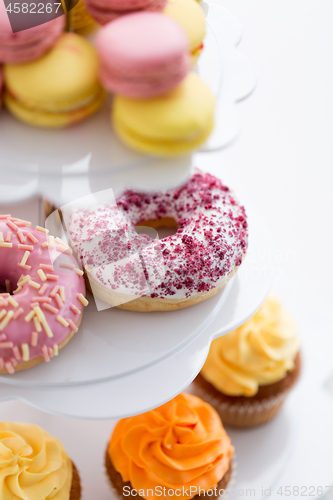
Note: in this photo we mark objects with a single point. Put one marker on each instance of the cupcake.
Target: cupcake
(180, 449)
(34, 465)
(249, 372)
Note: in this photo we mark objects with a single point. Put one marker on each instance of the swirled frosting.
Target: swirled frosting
(260, 352)
(33, 464)
(178, 445)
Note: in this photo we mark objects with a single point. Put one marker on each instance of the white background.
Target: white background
(282, 166)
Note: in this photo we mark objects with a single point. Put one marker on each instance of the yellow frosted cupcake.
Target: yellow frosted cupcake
(178, 450)
(249, 372)
(34, 465)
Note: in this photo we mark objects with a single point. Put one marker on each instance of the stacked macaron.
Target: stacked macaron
(29, 44)
(80, 20)
(191, 17)
(160, 107)
(59, 89)
(1, 86)
(52, 79)
(142, 55)
(104, 11)
(170, 125)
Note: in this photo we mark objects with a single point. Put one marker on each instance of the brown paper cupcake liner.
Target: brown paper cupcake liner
(242, 412)
(232, 482)
(75, 493)
(117, 484)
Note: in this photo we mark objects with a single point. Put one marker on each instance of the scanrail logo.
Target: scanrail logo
(22, 15)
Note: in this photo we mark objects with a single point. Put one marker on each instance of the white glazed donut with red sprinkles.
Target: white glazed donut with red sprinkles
(45, 295)
(198, 260)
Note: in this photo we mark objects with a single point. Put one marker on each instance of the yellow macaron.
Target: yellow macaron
(80, 20)
(59, 89)
(190, 15)
(169, 125)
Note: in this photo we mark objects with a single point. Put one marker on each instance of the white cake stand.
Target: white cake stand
(127, 355)
(65, 164)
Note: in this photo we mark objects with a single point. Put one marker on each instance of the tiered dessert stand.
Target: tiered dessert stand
(123, 363)
(116, 352)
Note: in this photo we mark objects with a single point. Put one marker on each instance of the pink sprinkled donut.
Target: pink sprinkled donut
(43, 305)
(198, 259)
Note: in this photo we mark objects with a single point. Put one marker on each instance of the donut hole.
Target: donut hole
(2, 289)
(9, 277)
(167, 226)
(8, 286)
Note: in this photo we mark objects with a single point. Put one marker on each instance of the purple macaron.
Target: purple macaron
(142, 55)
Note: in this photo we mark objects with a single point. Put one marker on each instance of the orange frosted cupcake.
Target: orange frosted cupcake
(34, 465)
(178, 450)
(249, 372)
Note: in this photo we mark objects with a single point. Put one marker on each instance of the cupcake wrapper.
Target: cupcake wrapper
(116, 487)
(241, 415)
(244, 412)
(232, 481)
(75, 493)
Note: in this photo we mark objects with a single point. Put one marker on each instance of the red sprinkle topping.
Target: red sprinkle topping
(211, 239)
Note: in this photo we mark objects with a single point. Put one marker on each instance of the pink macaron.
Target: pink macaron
(104, 11)
(142, 55)
(29, 44)
(1, 86)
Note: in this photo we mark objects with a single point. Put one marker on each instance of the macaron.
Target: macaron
(79, 18)
(1, 86)
(142, 55)
(59, 89)
(29, 44)
(191, 17)
(170, 125)
(104, 11)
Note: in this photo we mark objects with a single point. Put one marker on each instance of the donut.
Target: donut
(45, 295)
(197, 261)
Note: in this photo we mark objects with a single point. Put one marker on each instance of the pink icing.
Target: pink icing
(211, 240)
(18, 331)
